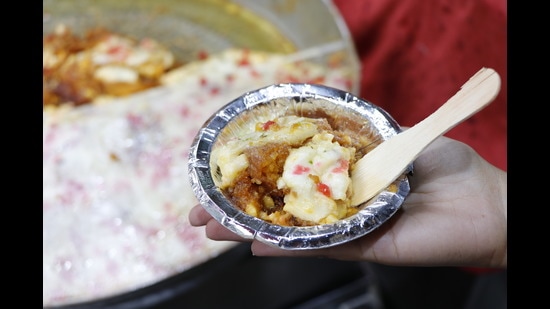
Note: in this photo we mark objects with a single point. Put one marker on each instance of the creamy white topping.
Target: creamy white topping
(230, 158)
(116, 74)
(317, 174)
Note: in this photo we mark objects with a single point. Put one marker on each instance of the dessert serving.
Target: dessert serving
(293, 170)
(275, 165)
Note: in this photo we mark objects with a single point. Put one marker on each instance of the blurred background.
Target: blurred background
(406, 56)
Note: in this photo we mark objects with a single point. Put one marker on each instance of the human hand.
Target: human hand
(455, 215)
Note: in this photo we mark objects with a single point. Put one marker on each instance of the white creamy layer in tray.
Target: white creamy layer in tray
(116, 193)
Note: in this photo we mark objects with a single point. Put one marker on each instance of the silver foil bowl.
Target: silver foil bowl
(278, 100)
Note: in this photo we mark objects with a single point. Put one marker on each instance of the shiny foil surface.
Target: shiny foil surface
(277, 100)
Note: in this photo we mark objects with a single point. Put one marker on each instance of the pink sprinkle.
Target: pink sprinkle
(147, 43)
(300, 169)
(135, 120)
(255, 74)
(184, 111)
(342, 167)
(214, 91)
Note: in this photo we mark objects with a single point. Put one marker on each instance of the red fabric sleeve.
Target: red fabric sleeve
(416, 54)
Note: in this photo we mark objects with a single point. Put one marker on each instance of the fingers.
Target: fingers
(198, 216)
(346, 252)
(260, 249)
(215, 231)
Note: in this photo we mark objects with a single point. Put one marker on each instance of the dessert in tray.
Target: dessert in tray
(119, 117)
